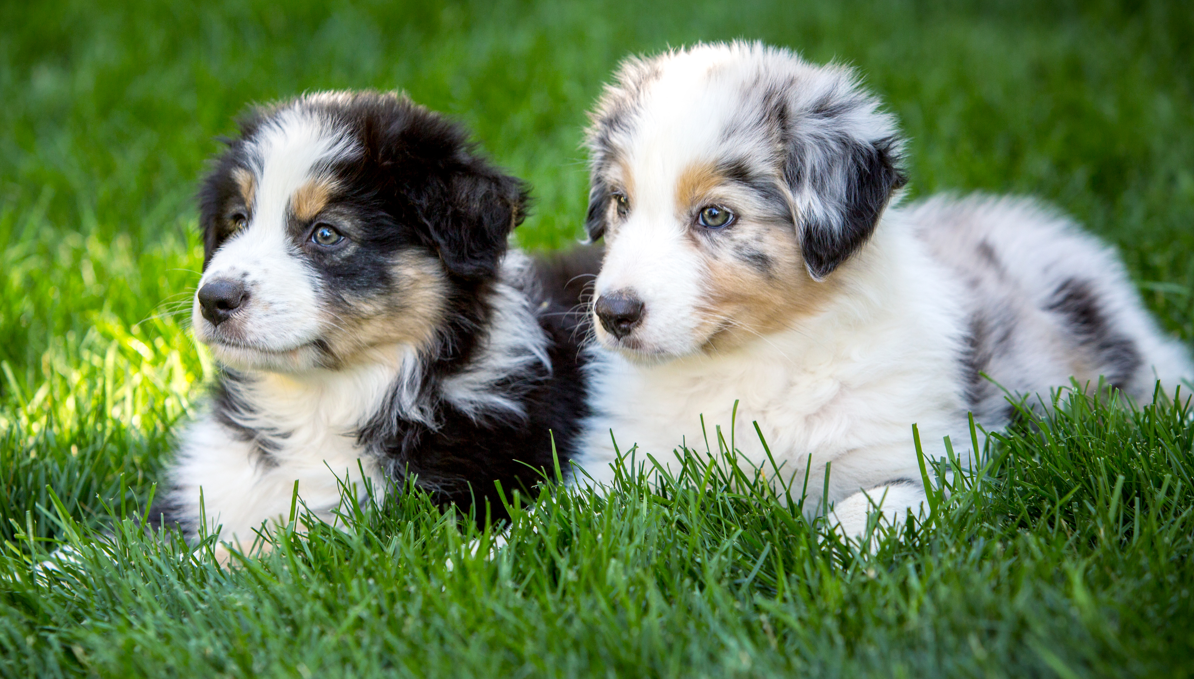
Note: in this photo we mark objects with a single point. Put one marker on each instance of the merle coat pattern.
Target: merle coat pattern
(756, 254)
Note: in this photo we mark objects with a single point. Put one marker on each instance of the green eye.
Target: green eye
(621, 202)
(326, 235)
(715, 217)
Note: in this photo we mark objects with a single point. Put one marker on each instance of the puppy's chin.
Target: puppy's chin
(242, 357)
(247, 354)
(636, 350)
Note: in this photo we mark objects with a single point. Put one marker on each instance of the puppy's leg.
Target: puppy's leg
(893, 500)
(223, 550)
(220, 480)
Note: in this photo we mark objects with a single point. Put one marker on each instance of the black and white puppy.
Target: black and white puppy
(359, 296)
(751, 255)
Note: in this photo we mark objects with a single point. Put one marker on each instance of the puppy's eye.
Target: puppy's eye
(238, 220)
(326, 235)
(715, 217)
(621, 203)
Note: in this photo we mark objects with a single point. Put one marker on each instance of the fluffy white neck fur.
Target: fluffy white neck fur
(844, 385)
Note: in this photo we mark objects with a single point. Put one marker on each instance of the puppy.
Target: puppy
(751, 256)
(370, 324)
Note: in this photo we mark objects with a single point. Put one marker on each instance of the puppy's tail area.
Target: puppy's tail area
(566, 279)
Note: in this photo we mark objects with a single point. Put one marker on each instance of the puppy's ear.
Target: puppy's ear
(226, 181)
(461, 206)
(595, 218)
(842, 166)
(470, 216)
(218, 190)
(211, 238)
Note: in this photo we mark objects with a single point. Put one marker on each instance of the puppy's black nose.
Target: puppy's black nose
(619, 312)
(219, 298)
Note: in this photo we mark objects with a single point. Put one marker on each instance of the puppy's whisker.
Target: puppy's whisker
(731, 322)
(580, 276)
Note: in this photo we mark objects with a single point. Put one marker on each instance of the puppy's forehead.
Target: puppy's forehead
(676, 118)
(671, 126)
(712, 102)
(292, 154)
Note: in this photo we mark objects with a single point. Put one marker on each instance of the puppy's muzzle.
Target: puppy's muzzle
(220, 298)
(620, 312)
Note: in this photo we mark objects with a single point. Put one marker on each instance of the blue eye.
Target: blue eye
(326, 235)
(715, 217)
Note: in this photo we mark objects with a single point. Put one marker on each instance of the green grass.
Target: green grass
(1071, 558)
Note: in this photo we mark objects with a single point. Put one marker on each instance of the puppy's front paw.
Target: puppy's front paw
(891, 501)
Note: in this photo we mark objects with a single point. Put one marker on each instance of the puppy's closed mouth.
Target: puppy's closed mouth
(635, 349)
(241, 346)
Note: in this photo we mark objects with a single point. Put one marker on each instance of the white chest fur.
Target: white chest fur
(844, 386)
(307, 435)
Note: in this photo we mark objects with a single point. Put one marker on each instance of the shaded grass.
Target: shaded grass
(1073, 561)
(1045, 568)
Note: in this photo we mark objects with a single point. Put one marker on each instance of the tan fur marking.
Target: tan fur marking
(627, 180)
(423, 289)
(247, 183)
(622, 179)
(408, 315)
(311, 198)
(694, 184)
(741, 303)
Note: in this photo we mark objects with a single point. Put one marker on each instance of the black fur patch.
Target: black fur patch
(462, 460)
(903, 482)
(775, 107)
(1117, 356)
(420, 186)
(987, 254)
(567, 279)
(978, 350)
(833, 105)
(763, 185)
(598, 212)
(1075, 300)
(166, 513)
(757, 259)
(867, 175)
(231, 411)
(976, 358)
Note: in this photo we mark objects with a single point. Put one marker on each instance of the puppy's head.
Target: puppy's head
(340, 222)
(729, 183)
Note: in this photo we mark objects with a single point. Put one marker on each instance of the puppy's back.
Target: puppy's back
(1045, 298)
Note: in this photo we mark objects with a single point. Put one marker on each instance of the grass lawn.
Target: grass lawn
(1071, 556)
